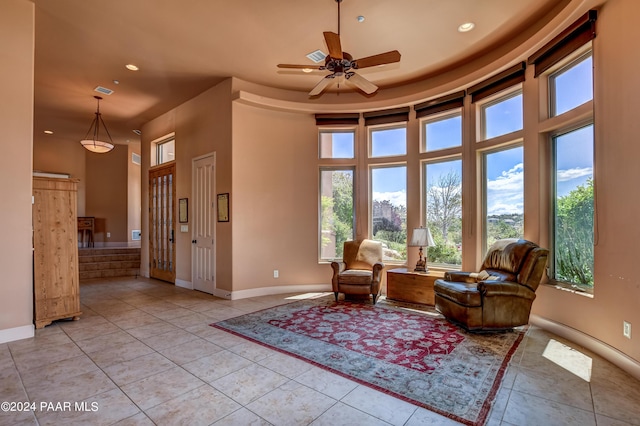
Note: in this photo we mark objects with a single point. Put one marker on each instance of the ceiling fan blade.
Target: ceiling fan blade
(302, 67)
(333, 44)
(380, 59)
(321, 86)
(363, 84)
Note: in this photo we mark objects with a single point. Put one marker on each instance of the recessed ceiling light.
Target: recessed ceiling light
(132, 67)
(306, 70)
(49, 132)
(467, 26)
(360, 18)
(116, 81)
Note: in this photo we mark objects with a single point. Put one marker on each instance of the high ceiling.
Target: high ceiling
(183, 47)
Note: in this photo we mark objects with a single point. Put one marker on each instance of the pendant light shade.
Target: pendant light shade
(92, 140)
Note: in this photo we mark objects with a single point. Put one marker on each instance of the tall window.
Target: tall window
(389, 210)
(573, 206)
(504, 195)
(444, 211)
(336, 211)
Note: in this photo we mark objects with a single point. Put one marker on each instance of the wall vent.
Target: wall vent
(317, 56)
(103, 90)
(136, 159)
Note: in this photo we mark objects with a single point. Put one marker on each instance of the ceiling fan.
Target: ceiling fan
(340, 63)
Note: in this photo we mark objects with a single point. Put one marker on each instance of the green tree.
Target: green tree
(337, 210)
(574, 236)
(444, 214)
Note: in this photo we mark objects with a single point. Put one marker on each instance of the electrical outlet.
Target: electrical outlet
(276, 273)
(626, 329)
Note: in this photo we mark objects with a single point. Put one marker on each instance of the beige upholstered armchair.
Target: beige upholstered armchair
(360, 271)
(499, 296)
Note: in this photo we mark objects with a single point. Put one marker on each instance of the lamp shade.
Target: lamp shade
(421, 237)
(94, 144)
(99, 147)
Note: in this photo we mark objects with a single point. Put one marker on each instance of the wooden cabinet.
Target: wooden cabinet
(56, 287)
(414, 287)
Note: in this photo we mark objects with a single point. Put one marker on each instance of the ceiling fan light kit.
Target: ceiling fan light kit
(342, 64)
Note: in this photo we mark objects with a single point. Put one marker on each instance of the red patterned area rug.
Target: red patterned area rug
(416, 356)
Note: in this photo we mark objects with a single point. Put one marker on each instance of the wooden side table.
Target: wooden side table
(414, 287)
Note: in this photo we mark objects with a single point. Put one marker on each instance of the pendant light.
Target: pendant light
(95, 144)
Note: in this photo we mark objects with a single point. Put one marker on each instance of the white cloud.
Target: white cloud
(576, 172)
(505, 193)
(397, 198)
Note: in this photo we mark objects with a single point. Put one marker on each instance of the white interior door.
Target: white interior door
(203, 241)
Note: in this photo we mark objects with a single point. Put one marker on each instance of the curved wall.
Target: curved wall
(273, 178)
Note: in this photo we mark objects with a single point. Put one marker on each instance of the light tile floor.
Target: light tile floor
(143, 353)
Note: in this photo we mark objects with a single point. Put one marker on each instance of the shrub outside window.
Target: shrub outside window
(573, 207)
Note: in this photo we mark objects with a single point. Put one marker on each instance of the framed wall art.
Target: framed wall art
(223, 207)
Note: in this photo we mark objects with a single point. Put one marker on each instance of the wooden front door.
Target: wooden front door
(162, 202)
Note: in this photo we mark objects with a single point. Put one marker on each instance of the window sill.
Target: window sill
(571, 288)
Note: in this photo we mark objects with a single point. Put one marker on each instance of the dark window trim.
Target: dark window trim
(388, 116)
(576, 35)
(505, 79)
(443, 103)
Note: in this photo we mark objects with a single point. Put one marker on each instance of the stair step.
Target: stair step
(109, 273)
(108, 262)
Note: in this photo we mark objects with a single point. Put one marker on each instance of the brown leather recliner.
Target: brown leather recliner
(501, 295)
(360, 271)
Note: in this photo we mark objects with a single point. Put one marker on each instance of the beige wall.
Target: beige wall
(106, 195)
(16, 122)
(275, 199)
(202, 125)
(134, 192)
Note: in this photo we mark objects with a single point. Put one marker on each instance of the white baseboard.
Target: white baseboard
(606, 351)
(268, 291)
(17, 333)
(184, 284)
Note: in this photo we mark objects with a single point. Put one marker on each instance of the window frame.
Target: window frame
(322, 130)
(374, 166)
(382, 127)
(425, 194)
(441, 116)
(519, 143)
(333, 168)
(483, 105)
(157, 149)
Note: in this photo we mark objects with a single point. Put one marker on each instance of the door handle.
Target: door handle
(194, 241)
